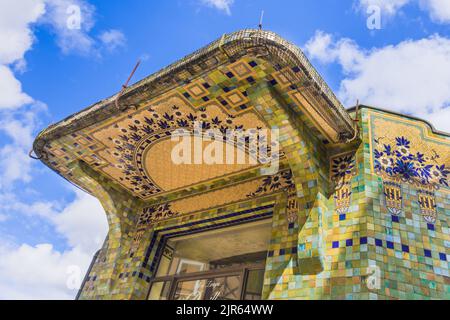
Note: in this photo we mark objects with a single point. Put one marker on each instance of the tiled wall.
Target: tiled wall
(346, 232)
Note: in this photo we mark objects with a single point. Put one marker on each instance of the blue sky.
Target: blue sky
(48, 72)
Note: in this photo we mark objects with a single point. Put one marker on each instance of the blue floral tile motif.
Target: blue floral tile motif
(427, 203)
(342, 169)
(157, 212)
(280, 181)
(397, 164)
(283, 182)
(393, 197)
(397, 161)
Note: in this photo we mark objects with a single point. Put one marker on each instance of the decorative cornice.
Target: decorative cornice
(263, 44)
(433, 129)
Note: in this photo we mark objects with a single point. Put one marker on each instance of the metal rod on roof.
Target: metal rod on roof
(356, 111)
(124, 86)
(355, 123)
(261, 20)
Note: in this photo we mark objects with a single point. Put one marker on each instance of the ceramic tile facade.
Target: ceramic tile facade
(343, 211)
(411, 253)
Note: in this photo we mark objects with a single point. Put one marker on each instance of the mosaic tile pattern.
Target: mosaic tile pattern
(410, 253)
(340, 210)
(117, 146)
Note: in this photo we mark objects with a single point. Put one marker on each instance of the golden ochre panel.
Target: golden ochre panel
(169, 176)
(215, 198)
(406, 151)
(128, 142)
(285, 77)
(220, 99)
(280, 182)
(197, 89)
(241, 69)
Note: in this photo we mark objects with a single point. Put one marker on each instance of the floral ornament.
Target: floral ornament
(393, 197)
(439, 174)
(427, 203)
(155, 213)
(139, 133)
(399, 162)
(342, 198)
(402, 150)
(148, 216)
(280, 181)
(342, 168)
(292, 206)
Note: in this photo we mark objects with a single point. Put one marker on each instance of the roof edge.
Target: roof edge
(433, 129)
(166, 79)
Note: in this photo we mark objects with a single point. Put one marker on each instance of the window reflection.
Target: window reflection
(225, 264)
(223, 288)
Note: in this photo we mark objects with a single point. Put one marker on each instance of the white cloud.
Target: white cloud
(323, 48)
(83, 223)
(71, 29)
(439, 10)
(222, 5)
(113, 39)
(40, 272)
(318, 47)
(11, 203)
(15, 165)
(16, 36)
(72, 22)
(388, 7)
(440, 119)
(11, 95)
(19, 126)
(411, 77)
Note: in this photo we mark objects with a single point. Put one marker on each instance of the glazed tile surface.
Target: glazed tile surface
(342, 210)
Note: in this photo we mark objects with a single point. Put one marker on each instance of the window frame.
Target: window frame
(241, 271)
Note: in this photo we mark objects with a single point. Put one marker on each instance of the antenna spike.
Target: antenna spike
(261, 20)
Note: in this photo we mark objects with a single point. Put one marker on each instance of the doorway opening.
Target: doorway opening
(222, 264)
